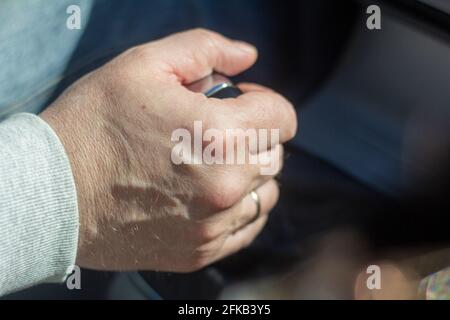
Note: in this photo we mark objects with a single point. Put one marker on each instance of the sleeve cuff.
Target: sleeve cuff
(38, 205)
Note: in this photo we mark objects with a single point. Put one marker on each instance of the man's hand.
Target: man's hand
(137, 209)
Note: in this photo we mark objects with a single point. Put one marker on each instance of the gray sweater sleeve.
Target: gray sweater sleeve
(38, 205)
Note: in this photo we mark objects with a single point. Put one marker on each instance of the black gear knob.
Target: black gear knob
(215, 86)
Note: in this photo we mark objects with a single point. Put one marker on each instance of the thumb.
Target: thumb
(194, 54)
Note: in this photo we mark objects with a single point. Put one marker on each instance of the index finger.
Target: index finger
(262, 108)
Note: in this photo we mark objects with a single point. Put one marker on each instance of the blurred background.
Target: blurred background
(366, 180)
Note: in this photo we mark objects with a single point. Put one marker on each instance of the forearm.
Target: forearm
(38, 205)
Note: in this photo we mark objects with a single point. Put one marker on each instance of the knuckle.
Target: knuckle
(205, 233)
(138, 52)
(206, 37)
(222, 200)
(145, 53)
(224, 193)
(197, 261)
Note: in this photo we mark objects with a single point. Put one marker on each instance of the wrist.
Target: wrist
(86, 168)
